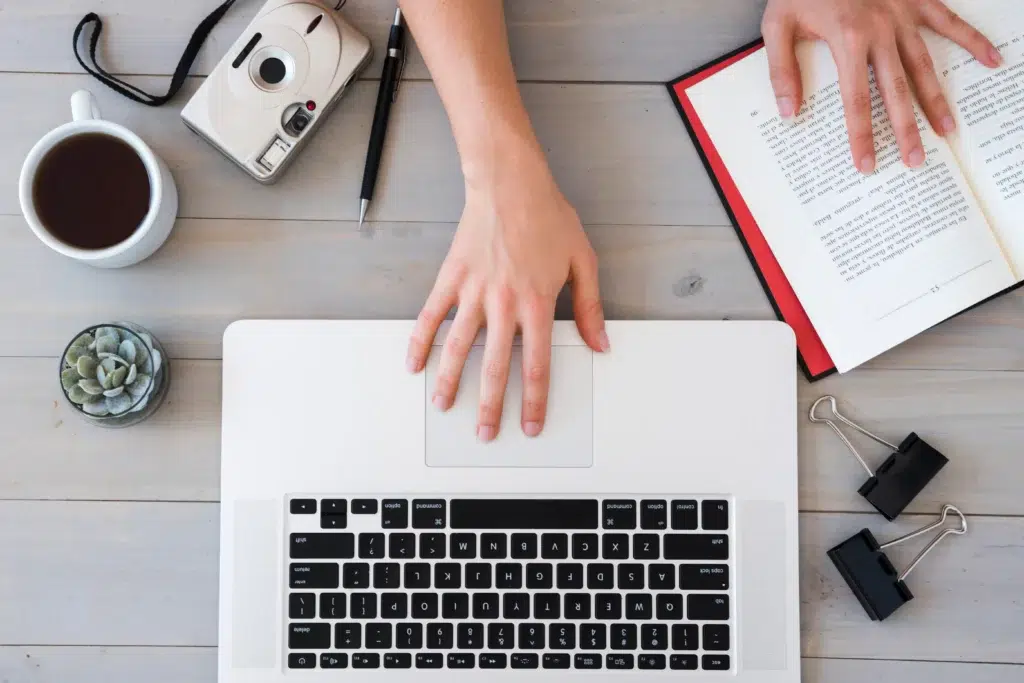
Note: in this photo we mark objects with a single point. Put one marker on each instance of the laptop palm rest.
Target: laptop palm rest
(568, 436)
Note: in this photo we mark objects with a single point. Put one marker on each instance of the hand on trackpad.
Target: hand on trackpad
(567, 439)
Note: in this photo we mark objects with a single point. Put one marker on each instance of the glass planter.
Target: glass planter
(114, 374)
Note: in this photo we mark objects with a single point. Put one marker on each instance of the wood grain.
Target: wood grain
(212, 272)
(151, 570)
(83, 526)
(52, 454)
(199, 665)
(570, 40)
(109, 573)
(611, 172)
(112, 665)
(620, 153)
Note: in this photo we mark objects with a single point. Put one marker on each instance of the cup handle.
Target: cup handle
(84, 107)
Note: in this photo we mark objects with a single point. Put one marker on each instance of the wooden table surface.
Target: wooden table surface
(108, 539)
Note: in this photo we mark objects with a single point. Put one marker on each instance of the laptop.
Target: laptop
(649, 532)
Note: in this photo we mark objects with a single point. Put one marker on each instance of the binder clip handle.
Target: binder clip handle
(831, 400)
(901, 477)
(957, 530)
(871, 576)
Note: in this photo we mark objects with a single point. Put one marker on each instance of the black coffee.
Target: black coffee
(91, 191)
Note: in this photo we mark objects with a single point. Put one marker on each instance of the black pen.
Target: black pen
(390, 79)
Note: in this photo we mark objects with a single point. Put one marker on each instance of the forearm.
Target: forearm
(465, 46)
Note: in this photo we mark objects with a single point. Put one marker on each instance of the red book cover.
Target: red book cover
(813, 357)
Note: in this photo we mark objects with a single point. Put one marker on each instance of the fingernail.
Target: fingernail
(948, 125)
(996, 56)
(531, 429)
(787, 108)
(411, 364)
(602, 341)
(486, 433)
(867, 165)
(916, 157)
(440, 402)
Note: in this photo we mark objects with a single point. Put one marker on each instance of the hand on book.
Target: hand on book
(886, 35)
(518, 243)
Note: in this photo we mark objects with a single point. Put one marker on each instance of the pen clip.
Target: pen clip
(401, 72)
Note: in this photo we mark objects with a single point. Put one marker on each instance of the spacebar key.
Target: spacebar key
(523, 514)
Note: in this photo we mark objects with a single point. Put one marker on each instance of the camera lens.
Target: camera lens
(300, 123)
(272, 70)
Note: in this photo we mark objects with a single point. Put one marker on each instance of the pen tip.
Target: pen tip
(363, 205)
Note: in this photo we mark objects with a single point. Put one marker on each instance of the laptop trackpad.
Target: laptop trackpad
(568, 436)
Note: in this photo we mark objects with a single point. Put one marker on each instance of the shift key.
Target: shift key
(327, 546)
(696, 547)
(313, 575)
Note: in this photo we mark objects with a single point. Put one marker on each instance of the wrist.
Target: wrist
(503, 154)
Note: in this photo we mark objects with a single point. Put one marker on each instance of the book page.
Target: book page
(989, 107)
(875, 260)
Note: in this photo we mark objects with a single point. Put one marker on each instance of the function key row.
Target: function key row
(523, 546)
(653, 515)
(500, 660)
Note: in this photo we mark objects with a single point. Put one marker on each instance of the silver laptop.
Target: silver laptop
(650, 532)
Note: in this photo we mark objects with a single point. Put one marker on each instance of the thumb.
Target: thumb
(783, 67)
(586, 301)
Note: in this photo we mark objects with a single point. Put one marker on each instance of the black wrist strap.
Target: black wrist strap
(127, 89)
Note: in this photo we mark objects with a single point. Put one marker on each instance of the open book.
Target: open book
(859, 264)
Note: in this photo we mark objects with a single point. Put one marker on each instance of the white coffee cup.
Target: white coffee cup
(163, 196)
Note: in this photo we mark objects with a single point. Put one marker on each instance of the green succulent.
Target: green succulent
(109, 371)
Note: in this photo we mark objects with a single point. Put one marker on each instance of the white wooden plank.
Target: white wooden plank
(150, 570)
(972, 417)
(109, 664)
(108, 573)
(966, 593)
(861, 670)
(620, 153)
(199, 665)
(571, 40)
(215, 271)
(212, 272)
(50, 452)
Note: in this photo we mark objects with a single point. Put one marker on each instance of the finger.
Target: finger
(895, 89)
(536, 323)
(921, 69)
(783, 67)
(456, 349)
(441, 300)
(944, 21)
(501, 330)
(852, 60)
(586, 302)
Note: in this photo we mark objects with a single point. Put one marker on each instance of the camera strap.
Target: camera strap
(127, 89)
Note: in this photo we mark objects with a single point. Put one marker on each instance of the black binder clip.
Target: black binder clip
(902, 476)
(870, 574)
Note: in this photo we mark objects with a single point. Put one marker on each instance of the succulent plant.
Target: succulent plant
(110, 371)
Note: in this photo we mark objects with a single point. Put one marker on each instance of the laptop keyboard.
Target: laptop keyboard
(582, 583)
